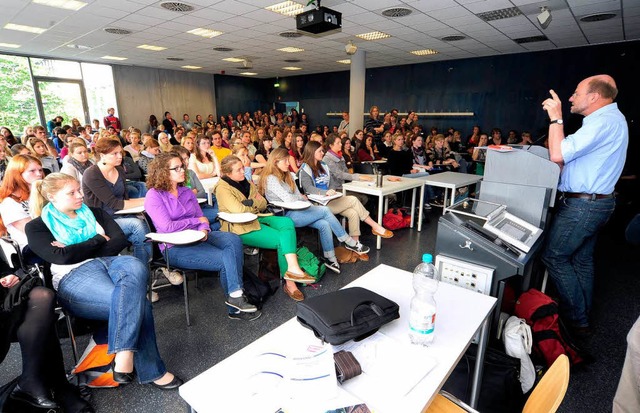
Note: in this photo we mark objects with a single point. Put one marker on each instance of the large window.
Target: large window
(63, 88)
(17, 100)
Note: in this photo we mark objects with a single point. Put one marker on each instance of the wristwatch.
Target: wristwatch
(558, 121)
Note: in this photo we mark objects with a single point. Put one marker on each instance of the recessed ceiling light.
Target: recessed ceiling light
(191, 67)
(10, 45)
(373, 36)
(291, 49)
(499, 14)
(233, 59)
(62, 4)
(248, 73)
(116, 30)
(150, 47)
(286, 8)
(424, 52)
(113, 58)
(292, 68)
(205, 33)
(176, 6)
(344, 61)
(23, 28)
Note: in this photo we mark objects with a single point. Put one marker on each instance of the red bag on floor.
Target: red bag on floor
(396, 219)
(549, 339)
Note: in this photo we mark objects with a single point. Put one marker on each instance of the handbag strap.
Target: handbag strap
(374, 307)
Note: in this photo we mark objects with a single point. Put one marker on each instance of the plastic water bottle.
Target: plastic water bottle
(422, 315)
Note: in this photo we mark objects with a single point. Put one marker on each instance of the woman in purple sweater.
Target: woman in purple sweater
(173, 207)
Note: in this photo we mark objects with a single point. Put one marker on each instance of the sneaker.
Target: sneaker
(153, 297)
(250, 251)
(245, 316)
(358, 248)
(241, 304)
(332, 265)
(174, 277)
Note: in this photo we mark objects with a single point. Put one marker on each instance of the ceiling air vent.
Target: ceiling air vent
(597, 17)
(531, 39)
(175, 59)
(223, 49)
(397, 12)
(176, 6)
(453, 38)
(115, 30)
(291, 35)
(293, 60)
(499, 14)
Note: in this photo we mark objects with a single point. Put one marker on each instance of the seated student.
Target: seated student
(402, 163)
(104, 187)
(236, 194)
(277, 185)
(316, 178)
(440, 156)
(77, 162)
(367, 151)
(33, 326)
(202, 162)
(173, 207)
(192, 182)
(347, 153)
(480, 153)
(151, 150)
(82, 245)
(264, 150)
(133, 177)
(15, 189)
(135, 147)
(337, 165)
(40, 150)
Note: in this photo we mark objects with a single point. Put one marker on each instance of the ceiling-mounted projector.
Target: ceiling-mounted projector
(319, 20)
(544, 18)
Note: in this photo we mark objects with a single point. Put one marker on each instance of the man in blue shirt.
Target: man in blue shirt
(591, 160)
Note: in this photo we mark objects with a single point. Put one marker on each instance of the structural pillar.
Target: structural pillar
(356, 91)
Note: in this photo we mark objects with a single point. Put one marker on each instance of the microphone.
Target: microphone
(537, 141)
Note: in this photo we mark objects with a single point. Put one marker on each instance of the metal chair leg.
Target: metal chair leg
(72, 338)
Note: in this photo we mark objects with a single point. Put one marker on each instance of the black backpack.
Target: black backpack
(256, 290)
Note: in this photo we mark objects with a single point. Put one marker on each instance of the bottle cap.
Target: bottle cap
(428, 258)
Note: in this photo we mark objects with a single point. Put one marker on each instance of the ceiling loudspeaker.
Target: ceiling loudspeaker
(544, 18)
(350, 48)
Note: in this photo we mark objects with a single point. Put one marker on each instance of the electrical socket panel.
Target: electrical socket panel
(465, 274)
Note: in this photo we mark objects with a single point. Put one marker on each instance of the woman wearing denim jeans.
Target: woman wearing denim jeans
(277, 185)
(92, 281)
(172, 208)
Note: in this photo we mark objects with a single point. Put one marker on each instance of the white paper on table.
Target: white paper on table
(324, 199)
(133, 210)
(292, 205)
(237, 218)
(390, 368)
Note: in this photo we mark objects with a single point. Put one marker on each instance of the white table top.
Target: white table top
(451, 179)
(388, 187)
(460, 314)
(209, 183)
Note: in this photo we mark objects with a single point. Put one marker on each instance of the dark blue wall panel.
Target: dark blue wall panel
(503, 91)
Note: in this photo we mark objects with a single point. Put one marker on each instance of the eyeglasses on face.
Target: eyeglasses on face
(178, 168)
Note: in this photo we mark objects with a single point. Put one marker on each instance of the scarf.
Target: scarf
(337, 155)
(67, 230)
(243, 186)
(79, 167)
(418, 155)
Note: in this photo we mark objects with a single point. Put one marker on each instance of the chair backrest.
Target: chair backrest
(156, 254)
(10, 253)
(548, 394)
